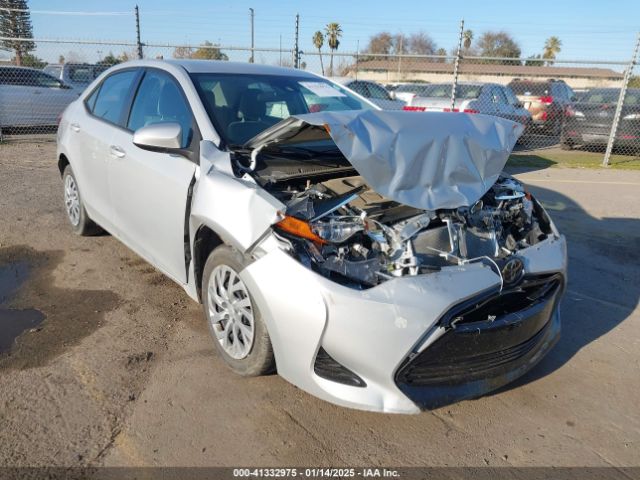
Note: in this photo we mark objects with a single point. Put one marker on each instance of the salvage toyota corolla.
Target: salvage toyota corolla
(378, 260)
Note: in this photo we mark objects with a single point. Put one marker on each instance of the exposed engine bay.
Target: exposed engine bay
(347, 232)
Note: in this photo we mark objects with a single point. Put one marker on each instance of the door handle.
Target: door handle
(117, 151)
(37, 92)
(75, 127)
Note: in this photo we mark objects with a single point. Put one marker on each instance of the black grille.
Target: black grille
(327, 367)
(487, 336)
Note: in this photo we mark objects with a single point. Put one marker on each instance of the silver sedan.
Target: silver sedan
(367, 262)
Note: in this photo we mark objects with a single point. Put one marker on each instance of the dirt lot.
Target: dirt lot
(122, 370)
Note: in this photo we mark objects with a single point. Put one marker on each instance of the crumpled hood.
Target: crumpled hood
(427, 160)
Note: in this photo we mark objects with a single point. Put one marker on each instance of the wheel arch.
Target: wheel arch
(63, 161)
(204, 242)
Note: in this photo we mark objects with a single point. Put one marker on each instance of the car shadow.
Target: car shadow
(523, 163)
(603, 279)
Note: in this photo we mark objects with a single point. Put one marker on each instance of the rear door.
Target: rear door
(91, 127)
(150, 190)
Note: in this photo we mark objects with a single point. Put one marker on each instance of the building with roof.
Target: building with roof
(410, 69)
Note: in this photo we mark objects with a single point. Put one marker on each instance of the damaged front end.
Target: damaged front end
(347, 232)
(370, 196)
(451, 265)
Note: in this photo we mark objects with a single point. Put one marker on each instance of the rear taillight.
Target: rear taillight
(471, 110)
(410, 108)
(546, 99)
(450, 110)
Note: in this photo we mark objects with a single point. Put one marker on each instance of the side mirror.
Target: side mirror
(159, 137)
(392, 95)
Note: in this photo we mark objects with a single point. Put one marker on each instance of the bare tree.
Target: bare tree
(380, 43)
(499, 44)
(182, 52)
(421, 43)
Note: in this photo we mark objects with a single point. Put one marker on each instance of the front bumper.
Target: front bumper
(498, 338)
(372, 333)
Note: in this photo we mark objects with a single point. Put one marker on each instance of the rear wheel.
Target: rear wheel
(80, 222)
(239, 333)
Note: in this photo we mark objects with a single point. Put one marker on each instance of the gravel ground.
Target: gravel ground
(122, 370)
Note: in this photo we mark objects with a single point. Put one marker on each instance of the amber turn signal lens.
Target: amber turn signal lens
(299, 228)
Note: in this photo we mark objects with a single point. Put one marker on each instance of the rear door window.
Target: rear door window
(376, 91)
(113, 95)
(360, 88)
(497, 96)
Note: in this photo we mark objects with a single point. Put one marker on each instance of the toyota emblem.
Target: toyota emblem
(512, 271)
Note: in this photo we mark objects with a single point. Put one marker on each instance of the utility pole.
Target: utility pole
(138, 33)
(296, 47)
(400, 58)
(251, 14)
(623, 92)
(455, 67)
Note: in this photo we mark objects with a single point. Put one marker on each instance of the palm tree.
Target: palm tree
(552, 46)
(334, 32)
(467, 37)
(318, 41)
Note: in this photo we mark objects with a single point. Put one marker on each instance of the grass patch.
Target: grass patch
(571, 158)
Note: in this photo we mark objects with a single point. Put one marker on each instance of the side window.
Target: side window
(511, 98)
(112, 96)
(46, 81)
(160, 100)
(497, 95)
(53, 71)
(90, 102)
(376, 91)
(278, 109)
(360, 88)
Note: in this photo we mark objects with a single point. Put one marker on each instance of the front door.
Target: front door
(149, 190)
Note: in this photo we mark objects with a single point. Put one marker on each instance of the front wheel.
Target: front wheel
(76, 213)
(239, 333)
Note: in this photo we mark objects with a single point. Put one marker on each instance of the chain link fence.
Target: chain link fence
(583, 108)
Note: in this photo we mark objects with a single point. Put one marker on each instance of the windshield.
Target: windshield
(531, 88)
(242, 106)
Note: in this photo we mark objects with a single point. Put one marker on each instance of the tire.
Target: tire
(80, 222)
(232, 315)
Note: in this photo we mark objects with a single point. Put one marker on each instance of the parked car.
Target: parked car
(30, 97)
(589, 120)
(78, 75)
(324, 245)
(488, 98)
(407, 91)
(371, 91)
(547, 101)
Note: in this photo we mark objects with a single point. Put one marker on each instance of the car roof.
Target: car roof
(15, 67)
(221, 66)
(468, 84)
